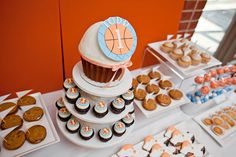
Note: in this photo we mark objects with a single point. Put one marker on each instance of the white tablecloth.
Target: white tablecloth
(67, 149)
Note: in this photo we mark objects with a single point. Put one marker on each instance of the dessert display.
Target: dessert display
(98, 95)
(155, 93)
(213, 83)
(219, 122)
(173, 141)
(24, 125)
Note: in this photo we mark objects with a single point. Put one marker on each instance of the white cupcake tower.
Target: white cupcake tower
(96, 94)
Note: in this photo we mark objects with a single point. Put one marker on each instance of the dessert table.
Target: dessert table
(141, 129)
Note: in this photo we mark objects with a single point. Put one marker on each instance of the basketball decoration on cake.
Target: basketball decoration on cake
(117, 38)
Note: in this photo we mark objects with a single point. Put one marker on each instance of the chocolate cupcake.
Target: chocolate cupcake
(100, 109)
(82, 105)
(60, 103)
(72, 95)
(73, 125)
(119, 128)
(128, 120)
(128, 97)
(86, 132)
(105, 134)
(68, 83)
(64, 114)
(118, 105)
(132, 110)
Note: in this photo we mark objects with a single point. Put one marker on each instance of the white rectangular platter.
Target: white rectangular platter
(160, 109)
(51, 138)
(229, 135)
(186, 71)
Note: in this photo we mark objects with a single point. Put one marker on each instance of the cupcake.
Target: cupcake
(128, 97)
(167, 47)
(176, 54)
(184, 61)
(86, 132)
(205, 57)
(128, 120)
(60, 103)
(100, 109)
(68, 83)
(82, 105)
(72, 95)
(118, 105)
(103, 62)
(196, 58)
(132, 110)
(105, 134)
(119, 128)
(64, 114)
(73, 125)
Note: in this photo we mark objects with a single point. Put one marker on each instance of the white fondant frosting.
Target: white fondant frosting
(100, 107)
(118, 103)
(82, 103)
(68, 83)
(73, 124)
(105, 133)
(63, 112)
(129, 95)
(60, 102)
(196, 56)
(119, 127)
(128, 118)
(72, 93)
(89, 47)
(86, 131)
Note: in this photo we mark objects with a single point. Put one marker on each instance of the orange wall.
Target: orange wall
(30, 51)
(152, 20)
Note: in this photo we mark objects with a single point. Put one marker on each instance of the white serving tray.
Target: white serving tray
(121, 88)
(51, 138)
(160, 109)
(182, 126)
(186, 71)
(94, 142)
(228, 136)
(90, 117)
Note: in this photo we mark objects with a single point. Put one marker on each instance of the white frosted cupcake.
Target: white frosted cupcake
(73, 125)
(64, 114)
(128, 97)
(118, 105)
(60, 103)
(119, 128)
(82, 105)
(105, 134)
(68, 83)
(86, 132)
(128, 120)
(100, 109)
(72, 95)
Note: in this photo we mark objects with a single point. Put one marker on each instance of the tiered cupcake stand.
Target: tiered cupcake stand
(94, 95)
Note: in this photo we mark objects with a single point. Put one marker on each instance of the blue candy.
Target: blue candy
(197, 93)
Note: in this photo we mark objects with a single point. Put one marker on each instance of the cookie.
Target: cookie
(135, 83)
(7, 105)
(36, 134)
(152, 88)
(217, 120)
(14, 140)
(140, 94)
(217, 130)
(143, 79)
(165, 84)
(154, 75)
(33, 114)
(175, 94)
(26, 100)
(149, 104)
(227, 120)
(11, 121)
(207, 121)
(163, 100)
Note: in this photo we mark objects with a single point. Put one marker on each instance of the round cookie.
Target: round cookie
(143, 79)
(11, 121)
(175, 94)
(163, 100)
(7, 105)
(152, 88)
(164, 84)
(33, 114)
(207, 121)
(14, 140)
(26, 100)
(154, 75)
(149, 104)
(36, 134)
(217, 130)
(140, 94)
